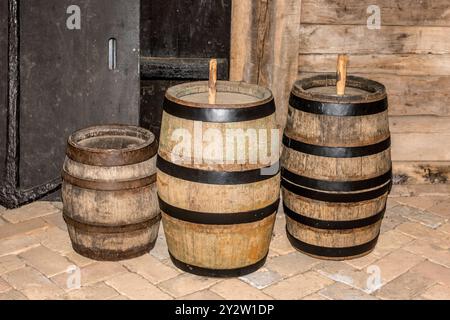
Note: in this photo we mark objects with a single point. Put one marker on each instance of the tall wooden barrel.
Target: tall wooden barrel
(218, 216)
(336, 162)
(109, 192)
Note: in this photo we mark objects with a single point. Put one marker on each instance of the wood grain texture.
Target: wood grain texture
(3, 83)
(395, 64)
(411, 94)
(421, 146)
(265, 46)
(404, 12)
(334, 131)
(419, 124)
(117, 209)
(216, 247)
(361, 40)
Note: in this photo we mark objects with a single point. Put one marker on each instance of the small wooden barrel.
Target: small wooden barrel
(336, 162)
(218, 216)
(109, 192)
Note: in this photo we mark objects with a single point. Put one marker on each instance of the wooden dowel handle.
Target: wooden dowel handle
(341, 74)
(212, 81)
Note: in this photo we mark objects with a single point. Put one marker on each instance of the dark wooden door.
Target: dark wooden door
(178, 37)
(65, 82)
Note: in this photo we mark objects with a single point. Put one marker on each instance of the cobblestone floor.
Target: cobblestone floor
(412, 258)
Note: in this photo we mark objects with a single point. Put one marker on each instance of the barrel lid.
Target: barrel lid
(322, 88)
(230, 94)
(235, 102)
(111, 145)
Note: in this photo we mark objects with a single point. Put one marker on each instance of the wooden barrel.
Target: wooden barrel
(336, 162)
(218, 216)
(109, 192)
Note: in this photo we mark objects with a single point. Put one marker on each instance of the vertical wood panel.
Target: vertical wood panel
(264, 47)
(3, 81)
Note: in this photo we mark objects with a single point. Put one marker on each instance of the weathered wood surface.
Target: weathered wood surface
(361, 40)
(403, 12)
(395, 64)
(3, 83)
(420, 146)
(422, 124)
(180, 68)
(411, 95)
(334, 131)
(216, 246)
(265, 46)
(420, 138)
(111, 211)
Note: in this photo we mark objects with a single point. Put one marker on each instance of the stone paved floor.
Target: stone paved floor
(412, 260)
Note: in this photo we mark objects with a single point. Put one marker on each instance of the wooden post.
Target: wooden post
(341, 74)
(212, 81)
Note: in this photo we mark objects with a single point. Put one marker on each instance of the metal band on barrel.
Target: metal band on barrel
(333, 225)
(218, 218)
(332, 252)
(92, 228)
(212, 177)
(108, 185)
(338, 109)
(220, 273)
(221, 115)
(112, 158)
(343, 186)
(336, 152)
(336, 197)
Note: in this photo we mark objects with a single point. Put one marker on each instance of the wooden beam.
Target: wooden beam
(264, 46)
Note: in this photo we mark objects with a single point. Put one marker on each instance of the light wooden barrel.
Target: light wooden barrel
(109, 192)
(218, 217)
(336, 162)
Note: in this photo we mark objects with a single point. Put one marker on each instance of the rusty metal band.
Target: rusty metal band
(112, 158)
(92, 228)
(218, 218)
(217, 273)
(338, 109)
(108, 185)
(333, 225)
(336, 152)
(220, 115)
(331, 252)
(113, 255)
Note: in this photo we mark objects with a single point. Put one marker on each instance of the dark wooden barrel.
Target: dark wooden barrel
(218, 217)
(109, 192)
(336, 162)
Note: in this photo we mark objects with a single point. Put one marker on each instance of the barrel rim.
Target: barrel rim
(375, 90)
(171, 94)
(112, 157)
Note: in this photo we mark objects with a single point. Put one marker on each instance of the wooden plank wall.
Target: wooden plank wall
(410, 54)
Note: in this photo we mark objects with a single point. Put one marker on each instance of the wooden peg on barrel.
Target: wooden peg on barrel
(212, 81)
(341, 74)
